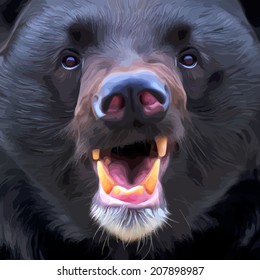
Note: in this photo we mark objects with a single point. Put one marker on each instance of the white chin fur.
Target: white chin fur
(129, 224)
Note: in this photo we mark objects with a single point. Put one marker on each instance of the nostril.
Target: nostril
(152, 102)
(115, 104)
(146, 98)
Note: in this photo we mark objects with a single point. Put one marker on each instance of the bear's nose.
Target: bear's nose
(127, 97)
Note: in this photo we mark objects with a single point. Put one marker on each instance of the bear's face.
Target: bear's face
(133, 113)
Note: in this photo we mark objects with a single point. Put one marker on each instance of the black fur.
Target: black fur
(211, 186)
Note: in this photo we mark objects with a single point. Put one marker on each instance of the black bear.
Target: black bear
(129, 129)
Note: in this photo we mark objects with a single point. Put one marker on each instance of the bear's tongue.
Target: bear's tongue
(129, 172)
(116, 181)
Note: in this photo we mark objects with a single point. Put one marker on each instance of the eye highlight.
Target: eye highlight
(188, 60)
(70, 62)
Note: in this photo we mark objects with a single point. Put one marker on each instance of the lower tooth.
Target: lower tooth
(120, 190)
(140, 190)
(116, 190)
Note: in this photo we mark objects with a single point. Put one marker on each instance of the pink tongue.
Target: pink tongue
(129, 174)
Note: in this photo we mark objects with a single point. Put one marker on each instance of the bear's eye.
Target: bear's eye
(188, 60)
(70, 62)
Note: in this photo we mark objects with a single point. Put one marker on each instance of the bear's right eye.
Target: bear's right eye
(70, 62)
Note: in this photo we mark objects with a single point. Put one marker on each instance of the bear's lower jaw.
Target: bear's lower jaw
(128, 224)
(130, 176)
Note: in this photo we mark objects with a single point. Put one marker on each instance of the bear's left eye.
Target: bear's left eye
(188, 60)
(70, 62)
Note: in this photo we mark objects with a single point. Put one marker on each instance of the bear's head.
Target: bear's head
(134, 115)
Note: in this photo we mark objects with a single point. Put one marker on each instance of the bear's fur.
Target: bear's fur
(210, 205)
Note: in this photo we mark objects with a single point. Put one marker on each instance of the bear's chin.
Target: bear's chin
(129, 224)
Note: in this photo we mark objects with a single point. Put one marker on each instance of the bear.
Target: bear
(129, 129)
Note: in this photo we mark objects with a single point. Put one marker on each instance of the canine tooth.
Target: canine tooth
(161, 143)
(106, 181)
(150, 181)
(96, 154)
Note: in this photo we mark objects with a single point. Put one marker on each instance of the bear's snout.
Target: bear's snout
(127, 97)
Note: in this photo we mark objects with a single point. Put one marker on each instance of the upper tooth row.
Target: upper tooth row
(161, 143)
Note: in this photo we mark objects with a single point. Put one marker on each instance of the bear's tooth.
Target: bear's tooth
(161, 143)
(139, 190)
(105, 180)
(116, 190)
(96, 154)
(150, 181)
(135, 190)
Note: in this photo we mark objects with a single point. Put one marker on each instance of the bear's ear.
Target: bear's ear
(9, 14)
(252, 12)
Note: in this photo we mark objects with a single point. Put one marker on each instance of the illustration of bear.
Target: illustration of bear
(129, 129)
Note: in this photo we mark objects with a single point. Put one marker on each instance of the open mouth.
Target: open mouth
(130, 175)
